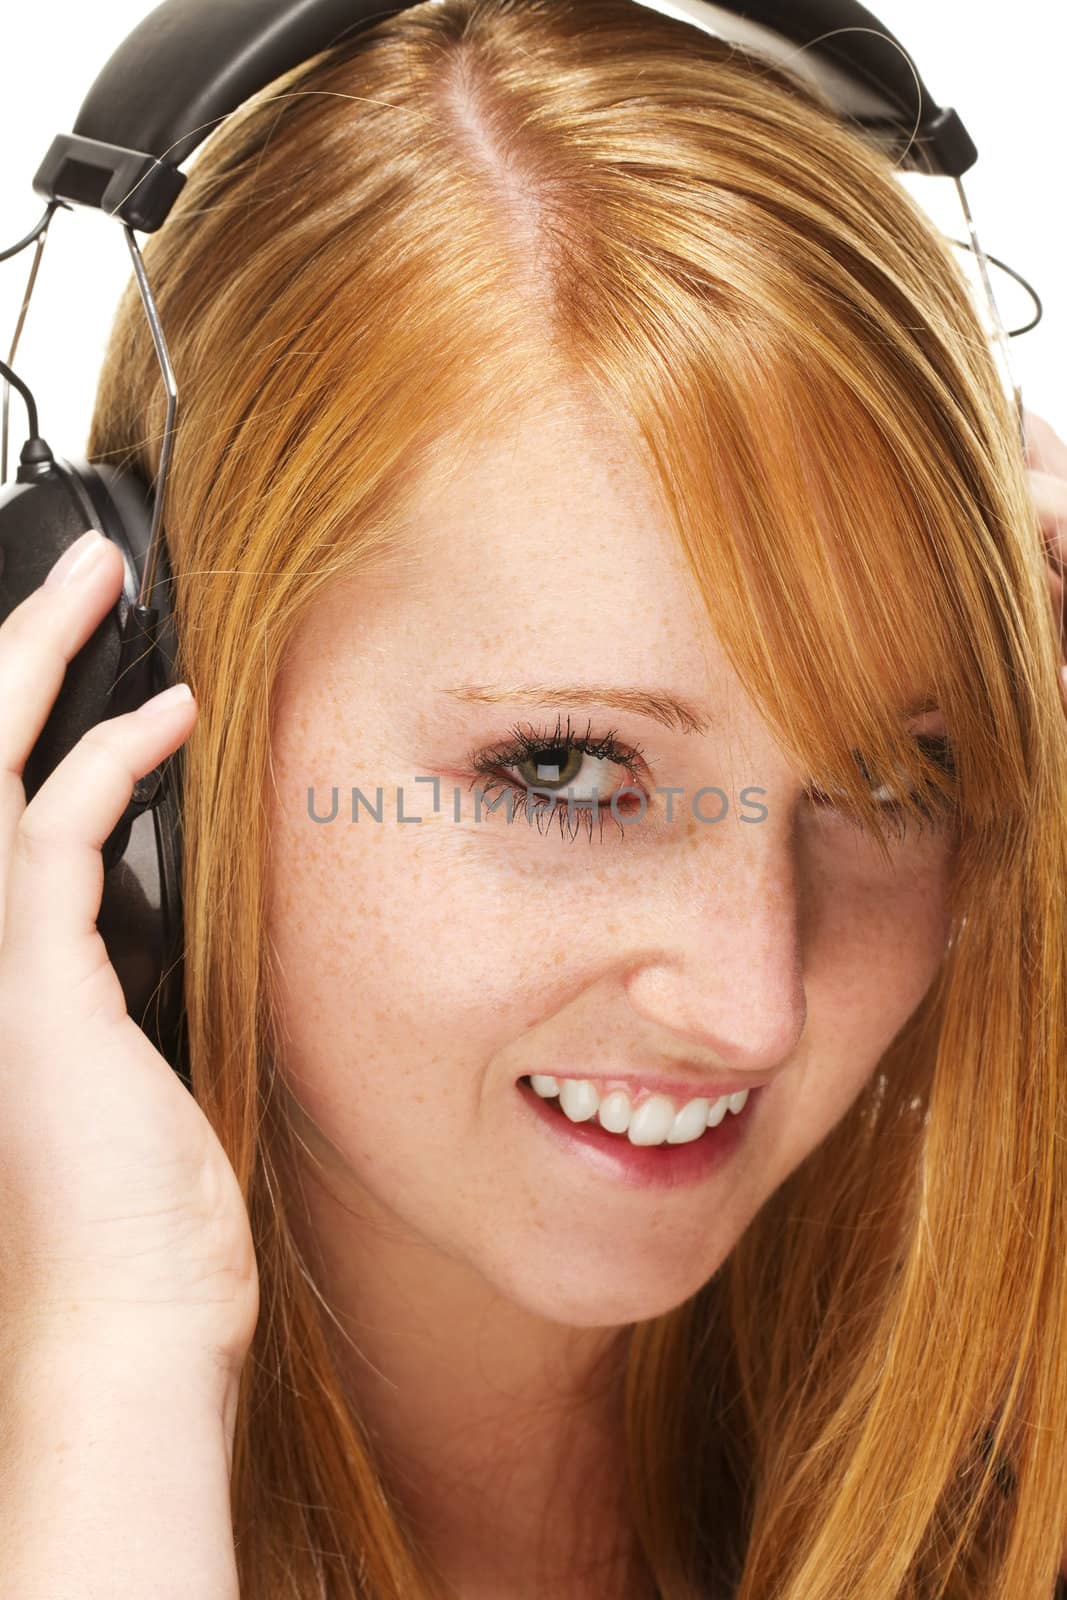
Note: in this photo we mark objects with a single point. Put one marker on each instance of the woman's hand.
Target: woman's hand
(1046, 457)
(120, 1215)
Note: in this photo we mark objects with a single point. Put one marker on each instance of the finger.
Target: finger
(56, 872)
(1045, 449)
(1050, 499)
(37, 641)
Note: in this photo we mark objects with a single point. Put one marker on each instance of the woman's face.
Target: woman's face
(425, 967)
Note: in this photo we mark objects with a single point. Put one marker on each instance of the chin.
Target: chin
(609, 1293)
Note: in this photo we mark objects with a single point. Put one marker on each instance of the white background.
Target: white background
(999, 68)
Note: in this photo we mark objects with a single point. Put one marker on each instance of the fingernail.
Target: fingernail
(167, 699)
(76, 561)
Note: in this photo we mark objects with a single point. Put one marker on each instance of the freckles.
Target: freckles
(875, 943)
(911, 950)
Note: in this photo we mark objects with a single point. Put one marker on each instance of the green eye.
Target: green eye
(560, 761)
(558, 767)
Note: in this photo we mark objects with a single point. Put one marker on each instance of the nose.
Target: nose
(726, 978)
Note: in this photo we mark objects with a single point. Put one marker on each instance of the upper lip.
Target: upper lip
(680, 1089)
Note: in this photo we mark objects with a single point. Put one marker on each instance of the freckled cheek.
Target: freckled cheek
(871, 953)
(406, 953)
(875, 949)
(918, 920)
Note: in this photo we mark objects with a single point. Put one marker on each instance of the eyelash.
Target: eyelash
(935, 812)
(529, 744)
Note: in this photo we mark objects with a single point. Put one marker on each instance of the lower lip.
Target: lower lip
(657, 1166)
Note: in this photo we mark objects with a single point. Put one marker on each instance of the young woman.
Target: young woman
(662, 1195)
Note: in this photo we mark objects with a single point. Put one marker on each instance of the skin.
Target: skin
(487, 1279)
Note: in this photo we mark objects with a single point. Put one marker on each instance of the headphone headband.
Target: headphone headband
(189, 63)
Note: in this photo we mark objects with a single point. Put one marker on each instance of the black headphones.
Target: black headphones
(181, 71)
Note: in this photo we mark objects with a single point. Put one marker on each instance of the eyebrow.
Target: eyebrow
(670, 710)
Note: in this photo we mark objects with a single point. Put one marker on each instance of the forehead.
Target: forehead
(542, 546)
(558, 496)
(540, 550)
(559, 518)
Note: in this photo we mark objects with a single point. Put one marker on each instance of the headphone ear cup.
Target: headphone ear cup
(38, 521)
(127, 658)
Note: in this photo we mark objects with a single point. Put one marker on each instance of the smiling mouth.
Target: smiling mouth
(659, 1122)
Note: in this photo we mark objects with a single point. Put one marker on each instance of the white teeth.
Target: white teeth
(614, 1113)
(656, 1121)
(718, 1111)
(579, 1099)
(690, 1122)
(652, 1121)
